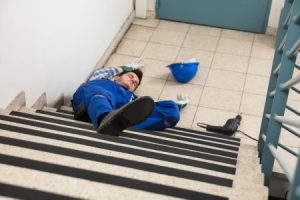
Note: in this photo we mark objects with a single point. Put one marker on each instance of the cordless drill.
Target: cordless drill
(229, 128)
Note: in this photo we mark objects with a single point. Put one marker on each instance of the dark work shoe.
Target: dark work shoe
(81, 114)
(128, 115)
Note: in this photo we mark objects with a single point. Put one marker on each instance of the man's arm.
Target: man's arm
(105, 73)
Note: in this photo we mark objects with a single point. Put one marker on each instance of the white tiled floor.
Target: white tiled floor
(233, 74)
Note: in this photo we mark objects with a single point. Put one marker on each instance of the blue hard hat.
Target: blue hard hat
(184, 72)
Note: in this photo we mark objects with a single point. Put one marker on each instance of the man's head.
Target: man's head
(130, 80)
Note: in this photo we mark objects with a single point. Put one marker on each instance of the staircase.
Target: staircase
(45, 154)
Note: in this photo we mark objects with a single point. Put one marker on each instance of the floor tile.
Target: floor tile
(187, 116)
(173, 26)
(200, 77)
(146, 22)
(150, 87)
(139, 33)
(265, 39)
(131, 47)
(173, 88)
(252, 104)
(225, 79)
(168, 37)
(260, 50)
(204, 30)
(221, 99)
(256, 84)
(230, 62)
(156, 69)
(258, 66)
(294, 95)
(288, 139)
(161, 52)
(250, 125)
(201, 42)
(238, 35)
(211, 116)
(233, 46)
(203, 57)
(118, 60)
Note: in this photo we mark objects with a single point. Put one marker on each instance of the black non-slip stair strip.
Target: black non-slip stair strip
(56, 114)
(190, 147)
(25, 193)
(90, 127)
(177, 137)
(127, 135)
(65, 111)
(205, 133)
(147, 167)
(203, 136)
(53, 120)
(106, 178)
(124, 149)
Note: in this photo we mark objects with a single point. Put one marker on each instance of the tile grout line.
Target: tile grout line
(205, 82)
(180, 47)
(243, 92)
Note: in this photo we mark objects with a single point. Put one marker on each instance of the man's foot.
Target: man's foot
(128, 115)
(81, 114)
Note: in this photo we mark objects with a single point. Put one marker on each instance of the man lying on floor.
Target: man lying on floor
(107, 100)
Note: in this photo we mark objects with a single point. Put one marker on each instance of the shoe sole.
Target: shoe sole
(131, 114)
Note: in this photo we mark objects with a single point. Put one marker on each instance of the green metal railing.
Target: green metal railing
(281, 82)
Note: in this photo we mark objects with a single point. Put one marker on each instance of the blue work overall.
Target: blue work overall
(103, 96)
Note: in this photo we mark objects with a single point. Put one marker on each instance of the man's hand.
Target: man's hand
(135, 64)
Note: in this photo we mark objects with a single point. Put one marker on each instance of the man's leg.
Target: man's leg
(165, 115)
(128, 115)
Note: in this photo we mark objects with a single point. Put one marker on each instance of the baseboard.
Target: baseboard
(271, 31)
(40, 102)
(60, 101)
(18, 102)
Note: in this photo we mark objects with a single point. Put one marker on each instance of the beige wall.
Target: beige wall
(53, 45)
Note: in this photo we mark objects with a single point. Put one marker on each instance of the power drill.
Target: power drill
(229, 128)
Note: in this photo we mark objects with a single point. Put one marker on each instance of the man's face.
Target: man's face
(129, 80)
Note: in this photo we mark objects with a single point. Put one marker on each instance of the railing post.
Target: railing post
(280, 98)
(273, 78)
(294, 192)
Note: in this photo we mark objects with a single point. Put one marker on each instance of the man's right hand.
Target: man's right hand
(135, 64)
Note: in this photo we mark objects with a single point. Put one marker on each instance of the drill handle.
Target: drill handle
(219, 129)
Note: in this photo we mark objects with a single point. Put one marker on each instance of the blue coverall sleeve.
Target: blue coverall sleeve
(104, 73)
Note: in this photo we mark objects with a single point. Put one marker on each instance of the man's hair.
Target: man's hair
(138, 72)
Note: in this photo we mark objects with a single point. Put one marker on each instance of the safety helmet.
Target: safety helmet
(184, 72)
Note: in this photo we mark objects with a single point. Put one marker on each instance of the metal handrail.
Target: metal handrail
(293, 110)
(276, 71)
(285, 120)
(288, 149)
(290, 83)
(295, 89)
(290, 130)
(292, 52)
(296, 18)
(281, 161)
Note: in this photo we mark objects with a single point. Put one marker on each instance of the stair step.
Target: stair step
(146, 140)
(96, 175)
(174, 163)
(89, 127)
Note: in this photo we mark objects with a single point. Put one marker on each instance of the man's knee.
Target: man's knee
(170, 110)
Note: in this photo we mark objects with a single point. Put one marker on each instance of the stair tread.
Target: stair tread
(48, 157)
(191, 180)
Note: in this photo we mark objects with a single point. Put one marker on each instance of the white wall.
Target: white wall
(275, 12)
(273, 17)
(53, 45)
